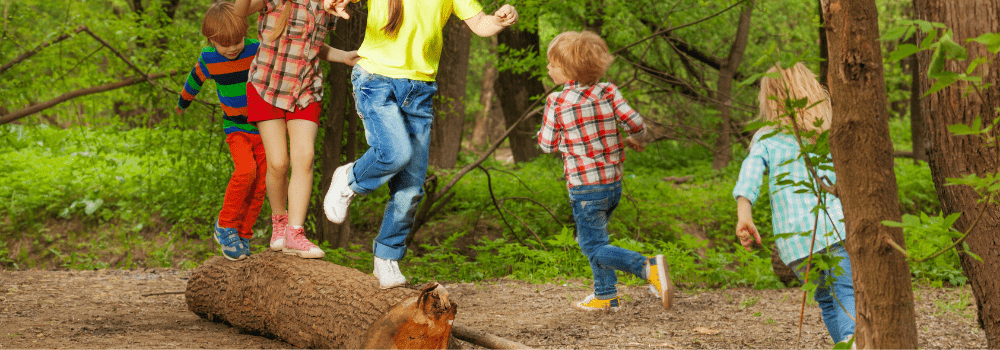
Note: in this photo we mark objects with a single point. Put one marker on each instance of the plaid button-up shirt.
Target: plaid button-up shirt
(582, 123)
(790, 212)
(286, 72)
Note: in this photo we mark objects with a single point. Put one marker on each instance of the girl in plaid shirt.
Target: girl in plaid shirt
(283, 100)
(775, 151)
(581, 121)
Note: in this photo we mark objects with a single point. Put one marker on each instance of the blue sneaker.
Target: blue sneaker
(246, 246)
(232, 245)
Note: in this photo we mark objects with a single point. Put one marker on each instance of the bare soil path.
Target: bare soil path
(108, 309)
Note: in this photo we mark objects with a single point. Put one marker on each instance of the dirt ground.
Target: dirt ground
(115, 309)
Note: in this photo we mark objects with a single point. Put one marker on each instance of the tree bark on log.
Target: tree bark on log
(316, 304)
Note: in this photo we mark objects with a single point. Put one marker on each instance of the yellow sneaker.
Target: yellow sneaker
(659, 277)
(591, 303)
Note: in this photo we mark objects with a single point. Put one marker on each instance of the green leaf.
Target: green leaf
(952, 50)
(895, 33)
(965, 246)
(991, 40)
(903, 51)
(962, 129)
(929, 38)
(892, 223)
(943, 80)
(950, 219)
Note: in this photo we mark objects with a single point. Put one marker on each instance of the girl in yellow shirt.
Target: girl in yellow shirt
(394, 91)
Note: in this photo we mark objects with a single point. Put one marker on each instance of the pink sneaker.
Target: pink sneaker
(278, 223)
(296, 243)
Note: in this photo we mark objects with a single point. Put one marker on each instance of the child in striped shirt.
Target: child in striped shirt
(774, 150)
(581, 121)
(227, 61)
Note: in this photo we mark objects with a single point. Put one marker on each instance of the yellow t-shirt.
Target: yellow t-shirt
(416, 50)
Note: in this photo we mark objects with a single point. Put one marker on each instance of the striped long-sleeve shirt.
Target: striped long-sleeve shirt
(791, 212)
(231, 83)
(582, 122)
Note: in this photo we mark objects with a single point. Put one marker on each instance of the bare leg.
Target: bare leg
(272, 133)
(302, 134)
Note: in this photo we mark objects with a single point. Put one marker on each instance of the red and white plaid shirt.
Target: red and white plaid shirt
(582, 123)
(286, 71)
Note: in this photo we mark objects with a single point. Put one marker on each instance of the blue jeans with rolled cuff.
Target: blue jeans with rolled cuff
(838, 323)
(592, 207)
(397, 115)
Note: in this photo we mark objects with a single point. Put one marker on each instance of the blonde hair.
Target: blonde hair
(222, 26)
(583, 56)
(799, 82)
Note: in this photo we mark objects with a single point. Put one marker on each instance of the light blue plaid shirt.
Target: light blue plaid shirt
(790, 211)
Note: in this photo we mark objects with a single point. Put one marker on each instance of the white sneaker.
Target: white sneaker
(388, 273)
(339, 196)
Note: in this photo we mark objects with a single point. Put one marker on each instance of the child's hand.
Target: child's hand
(637, 145)
(337, 8)
(178, 110)
(352, 58)
(507, 15)
(746, 231)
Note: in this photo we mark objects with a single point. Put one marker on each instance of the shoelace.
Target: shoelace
(278, 221)
(346, 195)
(298, 238)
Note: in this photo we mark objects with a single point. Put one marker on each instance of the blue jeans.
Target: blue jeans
(592, 207)
(837, 322)
(397, 115)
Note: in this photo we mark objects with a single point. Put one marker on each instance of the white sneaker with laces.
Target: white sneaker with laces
(388, 273)
(339, 196)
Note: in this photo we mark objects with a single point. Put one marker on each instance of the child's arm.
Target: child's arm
(747, 190)
(192, 86)
(549, 136)
(488, 25)
(631, 121)
(247, 7)
(337, 55)
(746, 231)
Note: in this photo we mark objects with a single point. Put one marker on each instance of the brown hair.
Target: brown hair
(798, 82)
(222, 26)
(583, 56)
(279, 28)
(391, 27)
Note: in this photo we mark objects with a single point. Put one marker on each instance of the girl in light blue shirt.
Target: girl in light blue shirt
(775, 151)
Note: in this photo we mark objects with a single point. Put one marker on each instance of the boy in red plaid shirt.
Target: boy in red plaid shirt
(581, 121)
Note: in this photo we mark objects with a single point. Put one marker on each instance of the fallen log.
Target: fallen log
(485, 340)
(315, 304)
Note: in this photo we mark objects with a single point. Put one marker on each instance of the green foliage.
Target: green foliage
(925, 236)
(126, 180)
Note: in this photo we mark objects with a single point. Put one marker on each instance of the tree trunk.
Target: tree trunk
(824, 53)
(862, 154)
(481, 132)
(723, 152)
(316, 304)
(340, 109)
(956, 156)
(515, 91)
(917, 118)
(449, 105)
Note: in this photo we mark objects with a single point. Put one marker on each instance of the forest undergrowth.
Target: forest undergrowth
(147, 197)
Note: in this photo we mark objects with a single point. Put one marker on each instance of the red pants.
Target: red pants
(246, 190)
